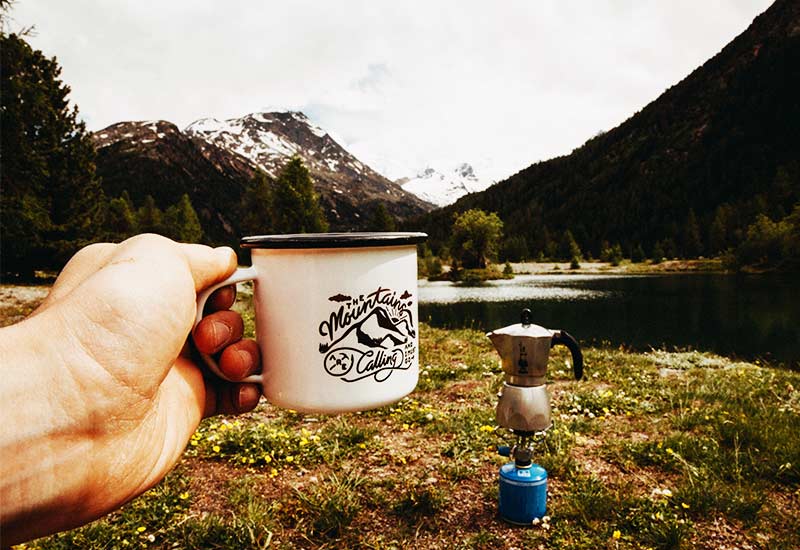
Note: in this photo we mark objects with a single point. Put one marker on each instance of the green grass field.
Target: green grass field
(650, 450)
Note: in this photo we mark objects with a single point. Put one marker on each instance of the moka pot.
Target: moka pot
(524, 348)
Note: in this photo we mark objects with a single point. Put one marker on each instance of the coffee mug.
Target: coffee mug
(336, 318)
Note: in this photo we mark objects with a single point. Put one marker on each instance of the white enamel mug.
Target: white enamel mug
(336, 318)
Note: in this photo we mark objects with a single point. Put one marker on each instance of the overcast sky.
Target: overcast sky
(400, 84)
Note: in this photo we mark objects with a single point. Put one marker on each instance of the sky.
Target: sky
(402, 85)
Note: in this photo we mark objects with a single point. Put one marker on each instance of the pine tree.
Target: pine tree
(550, 248)
(568, 248)
(52, 202)
(149, 217)
(719, 233)
(381, 219)
(692, 244)
(120, 219)
(257, 206)
(658, 253)
(181, 222)
(295, 206)
(515, 249)
(637, 254)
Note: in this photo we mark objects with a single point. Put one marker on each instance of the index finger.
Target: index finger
(208, 265)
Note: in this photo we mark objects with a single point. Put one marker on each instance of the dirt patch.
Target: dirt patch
(18, 301)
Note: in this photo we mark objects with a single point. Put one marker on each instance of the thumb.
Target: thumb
(208, 265)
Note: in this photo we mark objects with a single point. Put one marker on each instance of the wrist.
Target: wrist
(44, 454)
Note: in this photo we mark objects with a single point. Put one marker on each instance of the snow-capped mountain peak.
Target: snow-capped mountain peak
(270, 139)
(445, 186)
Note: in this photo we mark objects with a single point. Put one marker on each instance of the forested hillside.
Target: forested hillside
(688, 174)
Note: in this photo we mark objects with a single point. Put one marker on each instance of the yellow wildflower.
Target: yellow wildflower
(616, 534)
(486, 428)
(215, 448)
(141, 529)
(684, 506)
(183, 496)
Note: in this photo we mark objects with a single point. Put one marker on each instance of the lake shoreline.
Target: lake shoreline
(626, 267)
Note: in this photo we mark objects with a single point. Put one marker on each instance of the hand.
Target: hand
(100, 393)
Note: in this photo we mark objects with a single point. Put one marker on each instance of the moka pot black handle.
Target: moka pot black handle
(565, 339)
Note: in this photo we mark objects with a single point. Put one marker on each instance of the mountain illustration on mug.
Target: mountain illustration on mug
(368, 336)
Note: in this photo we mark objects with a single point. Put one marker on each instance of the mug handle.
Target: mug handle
(240, 275)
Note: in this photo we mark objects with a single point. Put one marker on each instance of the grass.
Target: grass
(652, 450)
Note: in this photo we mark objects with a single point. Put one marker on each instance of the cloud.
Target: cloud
(401, 84)
(371, 82)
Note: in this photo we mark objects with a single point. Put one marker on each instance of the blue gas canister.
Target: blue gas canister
(523, 493)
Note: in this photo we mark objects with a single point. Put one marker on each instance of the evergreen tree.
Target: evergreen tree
(637, 254)
(256, 206)
(718, 234)
(381, 219)
(51, 200)
(658, 253)
(515, 249)
(295, 206)
(692, 244)
(550, 248)
(149, 217)
(120, 219)
(568, 248)
(181, 222)
(475, 237)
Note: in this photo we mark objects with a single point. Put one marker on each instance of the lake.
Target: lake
(753, 317)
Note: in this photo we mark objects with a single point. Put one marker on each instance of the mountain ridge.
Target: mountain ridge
(444, 186)
(719, 145)
(344, 183)
(159, 159)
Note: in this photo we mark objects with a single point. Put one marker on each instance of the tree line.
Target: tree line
(476, 240)
(53, 202)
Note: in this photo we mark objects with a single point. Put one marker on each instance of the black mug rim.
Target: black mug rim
(333, 240)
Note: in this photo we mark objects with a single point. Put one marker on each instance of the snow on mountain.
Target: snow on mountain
(443, 187)
(348, 187)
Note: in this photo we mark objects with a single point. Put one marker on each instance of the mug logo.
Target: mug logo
(368, 336)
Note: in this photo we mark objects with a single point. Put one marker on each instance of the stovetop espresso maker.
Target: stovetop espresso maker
(524, 409)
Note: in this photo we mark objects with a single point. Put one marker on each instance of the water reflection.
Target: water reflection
(522, 287)
(744, 316)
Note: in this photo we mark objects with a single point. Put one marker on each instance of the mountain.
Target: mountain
(155, 158)
(349, 189)
(444, 187)
(691, 170)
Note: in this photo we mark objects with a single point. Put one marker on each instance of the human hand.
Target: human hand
(100, 389)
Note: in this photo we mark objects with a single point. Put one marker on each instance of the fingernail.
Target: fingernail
(221, 331)
(248, 396)
(246, 359)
